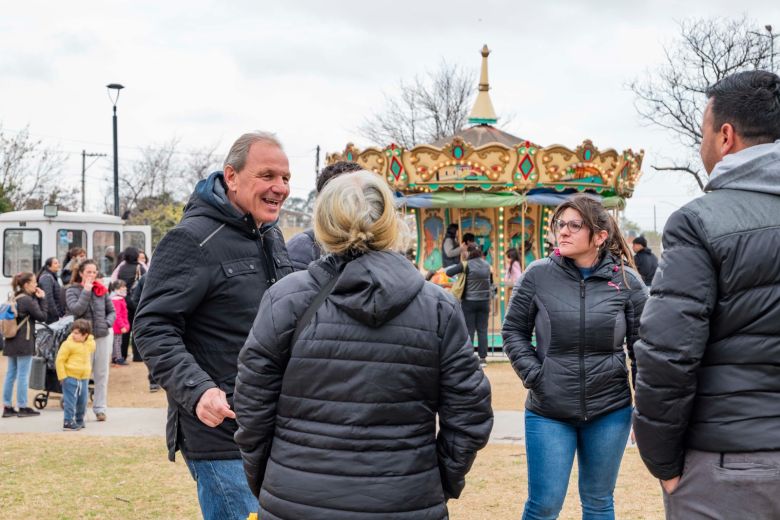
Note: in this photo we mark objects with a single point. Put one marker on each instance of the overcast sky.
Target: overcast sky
(311, 71)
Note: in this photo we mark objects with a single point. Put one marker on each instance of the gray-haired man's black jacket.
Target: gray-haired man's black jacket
(199, 300)
(709, 356)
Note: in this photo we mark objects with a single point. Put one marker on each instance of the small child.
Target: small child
(74, 365)
(122, 323)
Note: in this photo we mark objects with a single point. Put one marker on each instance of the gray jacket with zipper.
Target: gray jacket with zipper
(577, 369)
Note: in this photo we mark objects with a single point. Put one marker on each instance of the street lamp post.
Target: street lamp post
(771, 46)
(116, 87)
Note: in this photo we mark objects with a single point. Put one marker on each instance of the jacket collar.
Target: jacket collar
(605, 268)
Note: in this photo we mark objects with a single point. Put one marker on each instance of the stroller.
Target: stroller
(43, 373)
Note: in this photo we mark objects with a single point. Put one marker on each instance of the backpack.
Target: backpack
(8, 324)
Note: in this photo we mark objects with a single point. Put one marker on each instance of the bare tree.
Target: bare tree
(164, 173)
(427, 109)
(673, 95)
(30, 173)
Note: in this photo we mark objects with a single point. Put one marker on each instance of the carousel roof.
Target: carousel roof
(482, 159)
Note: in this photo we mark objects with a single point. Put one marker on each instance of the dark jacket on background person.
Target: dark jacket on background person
(134, 296)
(303, 250)
(450, 251)
(646, 263)
(343, 423)
(98, 310)
(198, 303)
(709, 354)
(577, 370)
(23, 344)
(130, 274)
(479, 279)
(55, 307)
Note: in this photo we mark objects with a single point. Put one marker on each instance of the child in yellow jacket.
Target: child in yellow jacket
(74, 365)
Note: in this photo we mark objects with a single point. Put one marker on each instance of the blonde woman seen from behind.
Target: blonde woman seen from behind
(342, 422)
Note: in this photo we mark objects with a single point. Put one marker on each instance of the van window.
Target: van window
(68, 239)
(136, 239)
(21, 251)
(105, 248)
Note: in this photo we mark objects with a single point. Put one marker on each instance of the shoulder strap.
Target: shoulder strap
(325, 291)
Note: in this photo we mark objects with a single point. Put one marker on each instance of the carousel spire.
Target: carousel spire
(483, 113)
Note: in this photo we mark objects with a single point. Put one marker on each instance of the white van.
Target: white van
(29, 238)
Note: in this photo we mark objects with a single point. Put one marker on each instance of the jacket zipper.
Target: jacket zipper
(583, 408)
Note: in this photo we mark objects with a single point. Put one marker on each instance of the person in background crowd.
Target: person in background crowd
(30, 307)
(130, 272)
(198, 303)
(134, 298)
(707, 419)
(143, 259)
(108, 262)
(50, 284)
(583, 303)
(303, 248)
(73, 258)
(88, 299)
(646, 262)
(513, 267)
(344, 419)
(74, 365)
(450, 247)
(118, 295)
(476, 297)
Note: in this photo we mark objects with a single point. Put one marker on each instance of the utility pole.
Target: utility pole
(655, 226)
(771, 46)
(317, 162)
(84, 167)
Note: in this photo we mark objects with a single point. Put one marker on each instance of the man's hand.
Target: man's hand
(671, 484)
(213, 408)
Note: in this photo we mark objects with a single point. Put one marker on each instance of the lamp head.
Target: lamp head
(116, 87)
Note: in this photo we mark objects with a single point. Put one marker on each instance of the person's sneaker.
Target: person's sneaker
(9, 411)
(100, 416)
(154, 387)
(27, 412)
(482, 362)
(70, 427)
(80, 425)
(122, 362)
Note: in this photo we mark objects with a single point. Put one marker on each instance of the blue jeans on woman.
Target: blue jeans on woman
(550, 448)
(74, 399)
(19, 372)
(223, 492)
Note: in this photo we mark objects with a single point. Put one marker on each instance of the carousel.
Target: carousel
(500, 187)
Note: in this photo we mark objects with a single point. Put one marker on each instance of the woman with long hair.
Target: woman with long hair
(513, 267)
(477, 293)
(88, 299)
(346, 369)
(73, 258)
(583, 303)
(30, 307)
(49, 282)
(130, 270)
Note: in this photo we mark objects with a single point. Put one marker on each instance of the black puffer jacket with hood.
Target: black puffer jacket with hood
(198, 303)
(344, 426)
(577, 369)
(709, 354)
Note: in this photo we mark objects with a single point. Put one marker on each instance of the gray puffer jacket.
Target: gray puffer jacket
(577, 370)
(479, 279)
(709, 357)
(344, 426)
(98, 310)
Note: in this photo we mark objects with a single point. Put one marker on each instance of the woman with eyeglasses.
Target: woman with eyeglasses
(583, 303)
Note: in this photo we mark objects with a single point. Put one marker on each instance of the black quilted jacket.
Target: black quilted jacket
(344, 427)
(709, 354)
(577, 369)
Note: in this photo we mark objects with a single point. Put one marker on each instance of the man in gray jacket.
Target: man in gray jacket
(707, 418)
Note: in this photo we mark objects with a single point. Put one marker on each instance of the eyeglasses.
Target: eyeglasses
(573, 225)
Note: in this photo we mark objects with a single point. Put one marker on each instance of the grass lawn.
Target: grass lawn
(70, 476)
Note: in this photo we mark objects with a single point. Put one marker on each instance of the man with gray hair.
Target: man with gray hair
(198, 304)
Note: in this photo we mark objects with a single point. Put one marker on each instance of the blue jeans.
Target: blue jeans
(74, 399)
(18, 371)
(550, 448)
(223, 492)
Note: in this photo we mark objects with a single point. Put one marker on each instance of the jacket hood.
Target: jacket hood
(373, 288)
(210, 199)
(756, 168)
